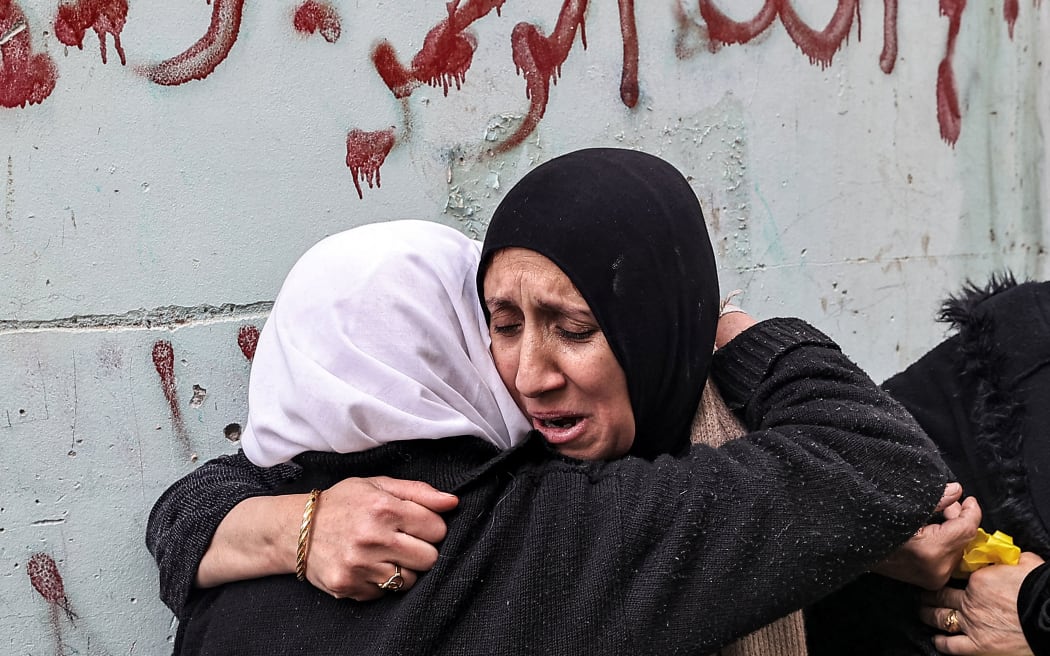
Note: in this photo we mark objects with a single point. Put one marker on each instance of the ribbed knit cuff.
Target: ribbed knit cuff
(741, 365)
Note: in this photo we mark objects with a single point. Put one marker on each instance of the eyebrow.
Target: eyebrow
(578, 313)
(498, 304)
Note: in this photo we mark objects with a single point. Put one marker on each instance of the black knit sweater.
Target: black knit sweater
(551, 555)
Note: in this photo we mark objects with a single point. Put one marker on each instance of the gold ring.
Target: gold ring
(395, 582)
(951, 623)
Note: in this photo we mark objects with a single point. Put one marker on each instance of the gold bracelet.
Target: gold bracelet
(304, 535)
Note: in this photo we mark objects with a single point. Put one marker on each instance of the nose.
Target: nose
(538, 370)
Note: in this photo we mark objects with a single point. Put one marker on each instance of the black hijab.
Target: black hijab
(627, 229)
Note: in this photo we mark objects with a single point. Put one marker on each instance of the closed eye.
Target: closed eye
(505, 329)
(577, 336)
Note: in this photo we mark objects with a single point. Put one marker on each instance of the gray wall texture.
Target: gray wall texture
(163, 164)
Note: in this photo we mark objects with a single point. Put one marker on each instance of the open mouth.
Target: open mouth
(560, 422)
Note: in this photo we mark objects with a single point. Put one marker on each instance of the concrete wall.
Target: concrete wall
(156, 190)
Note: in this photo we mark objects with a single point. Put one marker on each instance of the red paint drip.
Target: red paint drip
(819, 46)
(164, 362)
(888, 58)
(365, 153)
(313, 16)
(446, 55)
(248, 340)
(43, 574)
(723, 29)
(539, 59)
(1010, 11)
(201, 59)
(25, 76)
(949, 117)
(629, 75)
(397, 78)
(102, 16)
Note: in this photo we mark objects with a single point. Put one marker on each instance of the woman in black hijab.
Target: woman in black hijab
(626, 228)
(634, 555)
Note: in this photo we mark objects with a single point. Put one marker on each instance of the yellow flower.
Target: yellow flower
(983, 550)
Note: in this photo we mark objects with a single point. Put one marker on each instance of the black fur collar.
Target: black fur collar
(998, 411)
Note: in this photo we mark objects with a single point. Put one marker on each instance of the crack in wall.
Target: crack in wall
(168, 316)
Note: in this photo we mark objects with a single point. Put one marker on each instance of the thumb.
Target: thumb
(963, 527)
(418, 492)
(952, 493)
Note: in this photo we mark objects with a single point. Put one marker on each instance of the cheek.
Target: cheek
(506, 361)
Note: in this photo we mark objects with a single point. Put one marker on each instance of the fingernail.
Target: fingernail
(953, 487)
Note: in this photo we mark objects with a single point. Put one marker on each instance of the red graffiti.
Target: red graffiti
(25, 76)
(248, 340)
(201, 59)
(820, 46)
(313, 16)
(447, 51)
(365, 153)
(539, 58)
(948, 114)
(164, 362)
(888, 58)
(629, 73)
(103, 16)
(43, 574)
(1010, 11)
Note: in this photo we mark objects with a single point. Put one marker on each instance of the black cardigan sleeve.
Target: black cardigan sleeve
(186, 516)
(834, 475)
(1033, 608)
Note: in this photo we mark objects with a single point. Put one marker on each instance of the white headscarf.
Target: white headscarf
(377, 336)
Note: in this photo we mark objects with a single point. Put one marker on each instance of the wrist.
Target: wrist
(278, 532)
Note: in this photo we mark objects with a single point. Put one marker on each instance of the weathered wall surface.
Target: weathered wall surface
(156, 189)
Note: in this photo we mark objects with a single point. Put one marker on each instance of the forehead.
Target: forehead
(519, 273)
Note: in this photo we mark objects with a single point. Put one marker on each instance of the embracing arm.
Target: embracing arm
(833, 477)
(224, 522)
(185, 518)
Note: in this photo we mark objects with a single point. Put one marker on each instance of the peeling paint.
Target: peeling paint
(199, 394)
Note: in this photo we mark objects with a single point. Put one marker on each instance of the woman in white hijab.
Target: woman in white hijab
(369, 341)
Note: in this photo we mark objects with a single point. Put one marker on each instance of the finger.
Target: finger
(419, 522)
(952, 511)
(368, 587)
(970, 506)
(952, 493)
(956, 645)
(944, 598)
(937, 617)
(397, 578)
(961, 529)
(410, 552)
(418, 492)
(929, 616)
